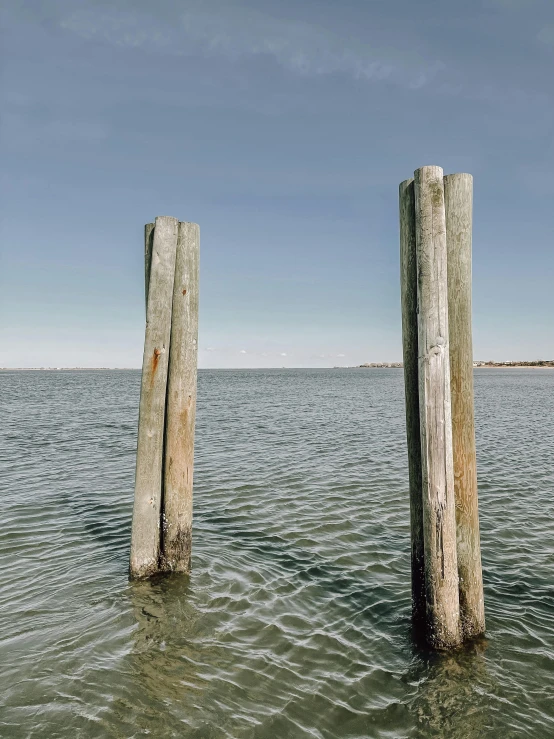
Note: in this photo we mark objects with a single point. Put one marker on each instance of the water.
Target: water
(295, 621)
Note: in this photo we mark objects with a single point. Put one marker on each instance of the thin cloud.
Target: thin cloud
(229, 31)
(232, 32)
(300, 47)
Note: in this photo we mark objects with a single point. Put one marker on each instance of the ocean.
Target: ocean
(295, 621)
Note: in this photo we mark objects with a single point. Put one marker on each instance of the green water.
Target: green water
(296, 619)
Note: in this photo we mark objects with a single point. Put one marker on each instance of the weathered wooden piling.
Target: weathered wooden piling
(408, 290)
(435, 226)
(145, 535)
(439, 518)
(181, 405)
(458, 193)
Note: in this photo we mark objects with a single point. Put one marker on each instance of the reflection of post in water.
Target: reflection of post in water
(450, 699)
(166, 621)
(167, 657)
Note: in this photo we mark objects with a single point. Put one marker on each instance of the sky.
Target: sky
(284, 130)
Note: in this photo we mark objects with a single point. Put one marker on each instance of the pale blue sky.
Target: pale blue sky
(283, 129)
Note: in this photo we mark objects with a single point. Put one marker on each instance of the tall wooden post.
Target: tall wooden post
(408, 291)
(439, 518)
(145, 535)
(181, 405)
(458, 193)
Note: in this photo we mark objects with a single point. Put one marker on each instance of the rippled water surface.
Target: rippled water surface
(295, 621)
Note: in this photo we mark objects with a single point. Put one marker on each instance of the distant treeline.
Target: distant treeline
(535, 363)
(380, 364)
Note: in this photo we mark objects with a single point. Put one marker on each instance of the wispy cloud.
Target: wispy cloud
(233, 32)
(300, 47)
(212, 29)
(129, 29)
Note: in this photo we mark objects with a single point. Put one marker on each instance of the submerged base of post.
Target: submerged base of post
(177, 553)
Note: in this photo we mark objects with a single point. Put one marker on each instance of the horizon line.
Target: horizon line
(367, 365)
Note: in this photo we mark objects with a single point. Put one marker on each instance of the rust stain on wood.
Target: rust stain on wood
(155, 359)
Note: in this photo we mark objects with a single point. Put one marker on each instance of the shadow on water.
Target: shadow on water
(106, 521)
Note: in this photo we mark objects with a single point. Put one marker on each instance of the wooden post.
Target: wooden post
(145, 535)
(439, 518)
(408, 291)
(181, 405)
(148, 241)
(458, 194)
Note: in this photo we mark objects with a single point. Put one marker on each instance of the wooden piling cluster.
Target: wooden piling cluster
(162, 515)
(435, 259)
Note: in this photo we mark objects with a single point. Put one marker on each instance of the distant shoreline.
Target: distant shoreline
(545, 365)
(67, 369)
(539, 364)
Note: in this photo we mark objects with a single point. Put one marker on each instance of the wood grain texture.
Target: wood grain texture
(458, 192)
(181, 405)
(439, 517)
(148, 241)
(408, 294)
(145, 535)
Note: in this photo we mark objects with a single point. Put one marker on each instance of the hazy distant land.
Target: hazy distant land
(535, 363)
(65, 369)
(539, 363)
